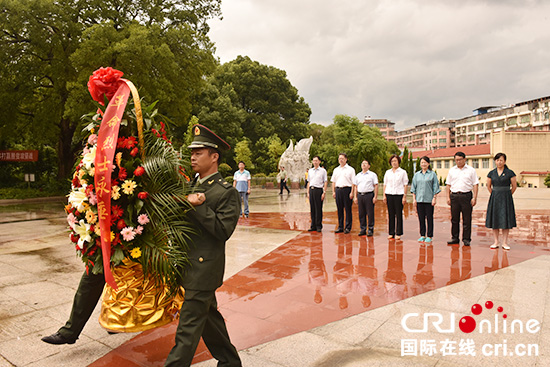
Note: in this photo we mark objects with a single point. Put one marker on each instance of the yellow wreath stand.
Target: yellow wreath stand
(138, 304)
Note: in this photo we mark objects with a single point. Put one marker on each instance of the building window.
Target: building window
(471, 137)
(443, 141)
(512, 121)
(475, 163)
(442, 132)
(434, 141)
(485, 163)
(447, 164)
(438, 164)
(525, 118)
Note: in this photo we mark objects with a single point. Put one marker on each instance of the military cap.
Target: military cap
(203, 137)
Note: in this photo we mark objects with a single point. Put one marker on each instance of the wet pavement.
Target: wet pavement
(341, 294)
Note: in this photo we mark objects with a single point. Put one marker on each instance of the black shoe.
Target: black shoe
(311, 230)
(466, 242)
(362, 233)
(346, 231)
(453, 241)
(319, 230)
(57, 339)
(339, 231)
(111, 332)
(370, 233)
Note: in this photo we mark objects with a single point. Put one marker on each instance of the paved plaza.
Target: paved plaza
(294, 298)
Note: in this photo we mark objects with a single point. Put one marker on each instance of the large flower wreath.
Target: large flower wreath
(147, 219)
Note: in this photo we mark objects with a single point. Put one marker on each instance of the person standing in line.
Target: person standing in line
(462, 188)
(365, 190)
(241, 181)
(424, 188)
(500, 209)
(315, 191)
(281, 177)
(342, 182)
(395, 190)
(216, 215)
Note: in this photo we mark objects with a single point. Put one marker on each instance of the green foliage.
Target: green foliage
(348, 135)
(270, 150)
(246, 99)
(547, 180)
(407, 164)
(243, 153)
(50, 48)
(224, 169)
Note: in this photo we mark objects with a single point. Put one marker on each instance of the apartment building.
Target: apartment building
(430, 135)
(530, 115)
(387, 128)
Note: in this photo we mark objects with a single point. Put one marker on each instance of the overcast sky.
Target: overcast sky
(410, 61)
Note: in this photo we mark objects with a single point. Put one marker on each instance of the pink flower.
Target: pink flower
(143, 219)
(92, 139)
(128, 233)
(92, 198)
(139, 230)
(71, 220)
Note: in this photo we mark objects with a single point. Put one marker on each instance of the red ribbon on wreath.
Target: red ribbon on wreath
(108, 82)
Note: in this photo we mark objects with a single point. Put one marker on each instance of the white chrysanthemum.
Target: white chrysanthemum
(83, 230)
(77, 198)
(89, 158)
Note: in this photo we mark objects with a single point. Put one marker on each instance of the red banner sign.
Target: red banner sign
(19, 155)
(105, 152)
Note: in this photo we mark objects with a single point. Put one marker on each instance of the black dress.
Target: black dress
(500, 210)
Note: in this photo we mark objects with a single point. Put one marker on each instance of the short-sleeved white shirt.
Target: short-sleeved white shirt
(317, 177)
(462, 179)
(343, 176)
(395, 181)
(365, 181)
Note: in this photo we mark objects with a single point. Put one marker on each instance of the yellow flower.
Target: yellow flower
(136, 252)
(115, 192)
(112, 236)
(128, 187)
(90, 217)
(118, 158)
(97, 230)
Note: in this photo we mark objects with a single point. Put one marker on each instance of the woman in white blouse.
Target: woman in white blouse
(395, 188)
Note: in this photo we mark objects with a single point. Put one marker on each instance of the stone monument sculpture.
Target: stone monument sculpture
(295, 159)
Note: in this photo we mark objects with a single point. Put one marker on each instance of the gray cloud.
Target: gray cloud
(408, 61)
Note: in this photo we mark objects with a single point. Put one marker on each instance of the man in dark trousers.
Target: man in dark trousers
(462, 187)
(342, 182)
(216, 214)
(365, 190)
(315, 191)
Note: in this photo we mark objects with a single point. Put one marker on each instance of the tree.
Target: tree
(271, 149)
(407, 163)
(243, 153)
(51, 47)
(266, 102)
(547, 180)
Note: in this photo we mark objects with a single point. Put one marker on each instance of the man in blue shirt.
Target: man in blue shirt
(241, 181)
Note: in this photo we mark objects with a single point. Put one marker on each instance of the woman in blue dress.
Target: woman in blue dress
(425, 187)
(501, 215)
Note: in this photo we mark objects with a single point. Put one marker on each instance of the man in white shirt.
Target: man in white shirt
(462, 186)
(315, 191)
(342, 182)
(365, 190)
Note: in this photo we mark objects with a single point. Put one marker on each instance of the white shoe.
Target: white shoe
(494, 246)
(506, 247)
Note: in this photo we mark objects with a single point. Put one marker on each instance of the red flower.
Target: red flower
(117, 211)
(74, 238)
(130, 142)
(134, 152)
(122, 174)
(76, 182)
(104, 81)
(120, 224)
(139, 171)
(121, 142)
(143, 195)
